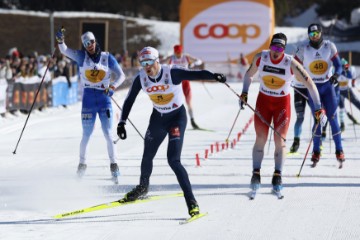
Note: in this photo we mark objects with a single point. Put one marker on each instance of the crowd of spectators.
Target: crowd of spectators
(15, 65)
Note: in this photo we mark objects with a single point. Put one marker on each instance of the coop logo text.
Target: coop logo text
(232, 30)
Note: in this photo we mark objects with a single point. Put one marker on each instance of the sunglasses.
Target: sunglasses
(88, 43)
(147, 62)
(276, 48)
(314, 34)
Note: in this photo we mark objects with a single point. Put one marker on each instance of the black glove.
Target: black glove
(333, 79)
(220, 77)
(243, 100)
(121, 132)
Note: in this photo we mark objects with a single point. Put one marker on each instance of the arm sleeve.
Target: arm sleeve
(335, 59)
(349, 74)
(179, 74)
(119, 75)
(251, 72)
(130, 99)
(76, 55)
(299, 54)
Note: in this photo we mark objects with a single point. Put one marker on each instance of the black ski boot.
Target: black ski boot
(115, 173)
(136, 193)
(193, 208)
(277, 181)
(342, 126)
(340, 157)
(81, 170)
(255, 180)
(295, 146)
(315, 158)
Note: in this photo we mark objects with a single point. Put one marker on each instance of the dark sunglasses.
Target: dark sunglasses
(314, 34)
(147, 62)
(88, 43)
(276, 48)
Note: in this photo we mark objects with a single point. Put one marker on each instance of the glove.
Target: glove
(320, 117)
(60, 35)
(333, 79)
(110, 91)
(220, 77)
(243, 100)
(121, 132)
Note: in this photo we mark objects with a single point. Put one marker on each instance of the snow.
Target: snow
(39, 181)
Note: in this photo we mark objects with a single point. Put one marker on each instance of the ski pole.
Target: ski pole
(256, 112)
(351, 111)
(36, 94)
(232, 127)
(269, 142)
(207, 90)
(129, 122)
(312, 137)
(307, 99)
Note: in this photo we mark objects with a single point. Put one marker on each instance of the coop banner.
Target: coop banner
(219, 30)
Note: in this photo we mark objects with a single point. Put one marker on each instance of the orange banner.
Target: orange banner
(219, 30)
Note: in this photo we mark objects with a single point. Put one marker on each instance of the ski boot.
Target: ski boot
(255, 180)
(81, 170)
(193, 124)
(295, 145)
(276, 181)
(277, 184)
(342, 126)
(136, 193)
(193, 208)
(315, 158)
(115, 173)
(340, 157)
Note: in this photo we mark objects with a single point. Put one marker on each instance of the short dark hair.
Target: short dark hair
(279, 39)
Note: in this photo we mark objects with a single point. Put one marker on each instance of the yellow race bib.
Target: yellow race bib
(318, 67)
(273, 82)
(161, 99)
(94, 76)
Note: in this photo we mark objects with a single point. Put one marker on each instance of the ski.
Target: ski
(117, 203)
(252, 194)
(193, 218)
(277, 193)
(202, 129)
(289, 154)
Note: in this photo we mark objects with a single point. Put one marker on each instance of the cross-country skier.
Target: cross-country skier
(318, 56)
(276, 70)
(163, 85)
(100, 75)
(346, 82)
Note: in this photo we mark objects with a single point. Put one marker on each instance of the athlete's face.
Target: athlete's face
(314, 36)
(178, 54)
(90, 46)
(151, 67)
(276, 52)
